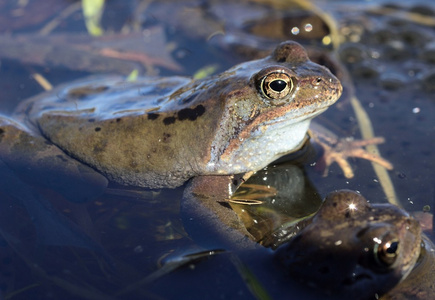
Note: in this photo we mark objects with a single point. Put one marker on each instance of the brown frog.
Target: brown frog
(159, 132)
(352, 248)
(419, 284)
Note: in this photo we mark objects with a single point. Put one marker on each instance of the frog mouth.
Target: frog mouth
(285, 121)
(363, 280)
(357, 278)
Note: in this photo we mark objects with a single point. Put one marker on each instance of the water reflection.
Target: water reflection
(87, 250)
(290, 198)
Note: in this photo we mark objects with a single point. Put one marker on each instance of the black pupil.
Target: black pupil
(393, 248)
(278, 85)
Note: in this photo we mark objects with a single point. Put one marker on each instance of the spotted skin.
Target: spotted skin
(159, 132)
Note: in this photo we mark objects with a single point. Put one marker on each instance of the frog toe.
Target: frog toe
(346, 148)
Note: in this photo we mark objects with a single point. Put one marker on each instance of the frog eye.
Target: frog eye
(276, 85)
(386, 250)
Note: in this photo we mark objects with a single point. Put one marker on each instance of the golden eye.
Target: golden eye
(386, 250)
(276, 85)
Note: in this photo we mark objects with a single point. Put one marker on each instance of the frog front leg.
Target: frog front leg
(338, 150)
(208, 218)
(40, 163)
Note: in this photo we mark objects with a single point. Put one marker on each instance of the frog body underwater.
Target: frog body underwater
(354, 248)
(159, 132)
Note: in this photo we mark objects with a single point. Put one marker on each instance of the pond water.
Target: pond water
(130, 243)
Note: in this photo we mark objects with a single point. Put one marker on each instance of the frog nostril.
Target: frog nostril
(316, 81)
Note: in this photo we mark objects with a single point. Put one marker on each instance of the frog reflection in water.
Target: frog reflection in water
(353, 248)
(159, 132)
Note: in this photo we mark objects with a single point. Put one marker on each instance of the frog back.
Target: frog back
(142, 133)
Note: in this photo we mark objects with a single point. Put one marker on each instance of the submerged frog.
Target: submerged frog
(419, 285)
(353, 248)
(159, 132)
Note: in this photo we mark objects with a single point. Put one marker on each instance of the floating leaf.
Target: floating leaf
(133, 75)
(92, 11)
(205, 71)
